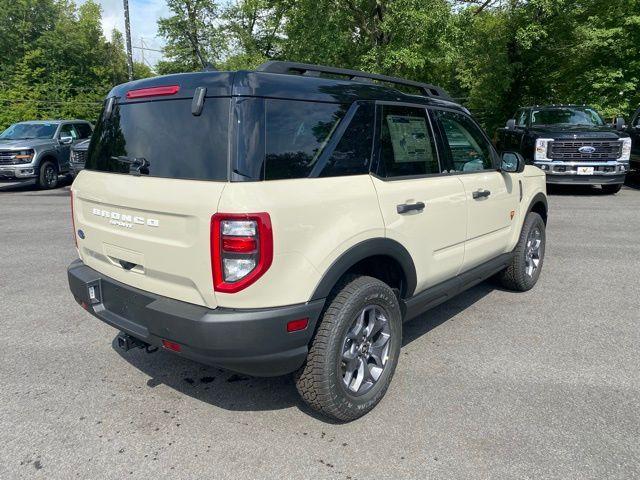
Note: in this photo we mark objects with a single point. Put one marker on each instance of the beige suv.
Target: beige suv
(290, 219)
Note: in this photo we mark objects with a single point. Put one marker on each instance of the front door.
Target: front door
(423, 209)
(492, 196)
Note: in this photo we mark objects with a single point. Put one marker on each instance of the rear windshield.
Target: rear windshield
(163, 138)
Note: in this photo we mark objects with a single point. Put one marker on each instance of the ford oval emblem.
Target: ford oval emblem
(81, 234)
(588, 149)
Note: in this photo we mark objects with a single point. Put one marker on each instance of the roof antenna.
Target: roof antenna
(206, 65)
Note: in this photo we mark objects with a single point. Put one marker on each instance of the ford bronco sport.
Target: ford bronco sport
(571, 144)
(278, 221)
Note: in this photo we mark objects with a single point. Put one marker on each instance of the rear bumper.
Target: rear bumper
(252, 341)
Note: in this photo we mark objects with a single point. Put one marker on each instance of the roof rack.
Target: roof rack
(309, 70)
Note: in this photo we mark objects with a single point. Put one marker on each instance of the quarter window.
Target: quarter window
(296, 134)
(407, 145)
(470, 151)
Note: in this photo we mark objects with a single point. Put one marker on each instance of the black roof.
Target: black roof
(273, 82)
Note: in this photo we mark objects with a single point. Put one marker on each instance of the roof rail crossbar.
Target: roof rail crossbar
(307, 69)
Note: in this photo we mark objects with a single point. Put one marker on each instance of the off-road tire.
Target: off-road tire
(515, 276)
(47, 176)
(611, 189)
(320, 381)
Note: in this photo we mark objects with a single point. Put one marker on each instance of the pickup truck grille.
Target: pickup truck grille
(6, 157)
(79, 156)
(570, 150)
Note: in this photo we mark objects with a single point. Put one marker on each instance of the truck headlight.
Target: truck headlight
(542, 146)
(625, 154)
(23, 156)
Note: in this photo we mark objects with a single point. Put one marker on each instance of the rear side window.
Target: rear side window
(352, 155)
(296, 134)
(407, 145)
(166, 138)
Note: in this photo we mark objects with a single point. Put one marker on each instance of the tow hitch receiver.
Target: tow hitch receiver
(126, 342)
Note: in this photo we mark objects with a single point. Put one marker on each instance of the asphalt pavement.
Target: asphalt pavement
(492, 384)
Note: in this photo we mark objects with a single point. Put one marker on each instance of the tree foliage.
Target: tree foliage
(55, 61)
(494, 55)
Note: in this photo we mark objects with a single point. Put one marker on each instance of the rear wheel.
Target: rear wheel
(355, 351)
(48, 176)
(523, 272)
(611, 189)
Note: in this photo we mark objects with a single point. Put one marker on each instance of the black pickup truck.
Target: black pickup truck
(572, 144)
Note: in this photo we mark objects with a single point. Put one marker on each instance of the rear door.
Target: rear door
(143, 205)
(491, 196)
(423, 208)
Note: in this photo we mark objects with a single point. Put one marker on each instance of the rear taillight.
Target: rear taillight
(73, 222)
(241, 249)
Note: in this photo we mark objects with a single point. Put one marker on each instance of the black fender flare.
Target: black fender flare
(539, 198)
(48, 155)
(360, 251)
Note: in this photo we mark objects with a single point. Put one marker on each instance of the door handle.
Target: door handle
(407, 207)
(481, 193)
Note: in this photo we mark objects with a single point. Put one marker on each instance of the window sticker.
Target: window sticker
(409, 137)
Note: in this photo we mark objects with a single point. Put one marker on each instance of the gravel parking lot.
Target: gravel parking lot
(492, 384)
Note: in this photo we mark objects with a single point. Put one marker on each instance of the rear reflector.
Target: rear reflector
(297, 325)
(176, 347)
(153, 91)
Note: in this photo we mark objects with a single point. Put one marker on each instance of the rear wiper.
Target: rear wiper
(141, 164)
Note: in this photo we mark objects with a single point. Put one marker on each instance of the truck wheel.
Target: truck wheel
(48, 176)
(523, 272)
(611, 189)
(355, 350)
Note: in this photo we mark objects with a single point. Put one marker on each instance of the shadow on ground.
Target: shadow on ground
(30, 186)
(235, 392)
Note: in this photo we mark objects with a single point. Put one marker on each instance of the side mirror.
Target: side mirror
(512, 162)
(511, 124)
(619, 123)
(67, 140)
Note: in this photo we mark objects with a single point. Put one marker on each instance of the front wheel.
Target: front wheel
(355, 351)
(48, 177)
(611, 189)
(523, 272)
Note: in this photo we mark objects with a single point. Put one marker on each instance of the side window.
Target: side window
(352, 155)
(521, 119)
(296, 134)
(636, 121)
(83, 129)
(407, 145)
(67, 130)
(470, 151)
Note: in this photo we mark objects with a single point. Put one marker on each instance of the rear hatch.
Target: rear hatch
(155, 171)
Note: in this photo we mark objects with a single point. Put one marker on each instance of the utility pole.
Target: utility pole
(127, 29)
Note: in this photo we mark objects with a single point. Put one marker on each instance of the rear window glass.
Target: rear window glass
(163, 139)
(296, 134)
